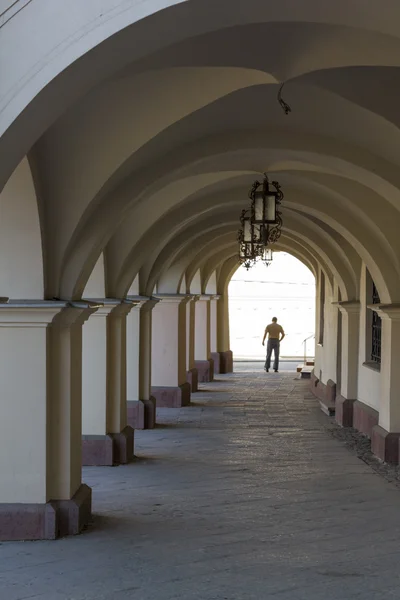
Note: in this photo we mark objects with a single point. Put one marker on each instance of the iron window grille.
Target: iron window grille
(376, 328)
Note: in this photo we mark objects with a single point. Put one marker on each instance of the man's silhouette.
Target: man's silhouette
(275, 336)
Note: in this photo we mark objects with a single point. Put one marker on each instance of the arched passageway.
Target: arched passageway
(129, 137)
(285, 289)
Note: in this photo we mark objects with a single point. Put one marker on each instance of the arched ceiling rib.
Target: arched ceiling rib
(138, 150)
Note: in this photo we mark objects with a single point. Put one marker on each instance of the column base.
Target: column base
(326, 394)
(192, 377)
(48, 521)
(123, 446)
(217, 361)
(172, 397)
(97, 450)
(75, 514)
(317, 387)
(344, 411)
(226, 362)
(142, 413)
(385, 445)
(365, 418)
(205, 370)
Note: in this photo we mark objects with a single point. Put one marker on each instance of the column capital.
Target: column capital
(386, 311)
(193, 297)
(105, 305)
(349, 306)
(171, 298)
(30, 313)
(122, 308)
(215, 296)
(149, 304)
(205, 297)
(138, 301)
(75, 313)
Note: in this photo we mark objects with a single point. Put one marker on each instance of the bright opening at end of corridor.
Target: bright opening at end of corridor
(286, 290)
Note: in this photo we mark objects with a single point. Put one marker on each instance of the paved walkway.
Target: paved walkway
(243, 495)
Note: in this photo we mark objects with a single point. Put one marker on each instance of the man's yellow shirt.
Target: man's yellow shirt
(274, 330)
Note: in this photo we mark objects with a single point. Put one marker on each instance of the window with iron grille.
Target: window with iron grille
(376, 329)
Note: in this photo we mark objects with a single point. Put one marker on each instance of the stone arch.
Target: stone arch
(21, 255)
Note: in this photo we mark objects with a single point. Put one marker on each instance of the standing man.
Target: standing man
(275, 336)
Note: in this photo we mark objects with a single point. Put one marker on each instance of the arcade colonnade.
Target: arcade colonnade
(130, 133)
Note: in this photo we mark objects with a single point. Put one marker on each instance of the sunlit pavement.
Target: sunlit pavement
(242, 495)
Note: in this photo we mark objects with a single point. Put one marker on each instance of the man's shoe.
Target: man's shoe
(266, 370)
(276, 370)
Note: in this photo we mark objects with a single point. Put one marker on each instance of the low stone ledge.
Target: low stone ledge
(317, 387)
(205, 370)
(226, 362)
(142, 413)
(123, 446)
(365, 418)
(216, 357)
(344, 411)
(57, 518)
(74, 515)
(385, 445)
(19, 522)
(330, 391)
(97, 450)
(192, 378)
(172, 397)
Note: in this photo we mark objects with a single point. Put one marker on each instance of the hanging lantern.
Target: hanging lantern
(261, 225)
(267, 256)
(251, 238)
(265, 201)
(246, 257)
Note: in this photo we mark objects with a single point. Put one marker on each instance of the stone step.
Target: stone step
(310, 363)
(306, 372)
(327, 407)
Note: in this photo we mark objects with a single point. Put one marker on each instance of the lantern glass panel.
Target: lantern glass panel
(267, 255)
(257, 233)
(258, 207)
(247, 231)
(270, 209)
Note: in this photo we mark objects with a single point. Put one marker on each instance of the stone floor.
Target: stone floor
(243, 495)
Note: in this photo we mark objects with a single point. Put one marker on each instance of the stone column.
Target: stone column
(191, 371)
(117, 416)
(97, 444)
(142, 410)
(202, 353)
(41, 495)
(214, 333)
(107, 439)
(385, 436)
(135, 406)
(349, 362)
(169, 385)
(223, 341)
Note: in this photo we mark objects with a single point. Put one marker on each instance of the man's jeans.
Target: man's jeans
(272, 345)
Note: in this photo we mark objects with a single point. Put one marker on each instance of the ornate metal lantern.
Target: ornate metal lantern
(265, 201)
(261, 225)
(251, 240)
(267, 256)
